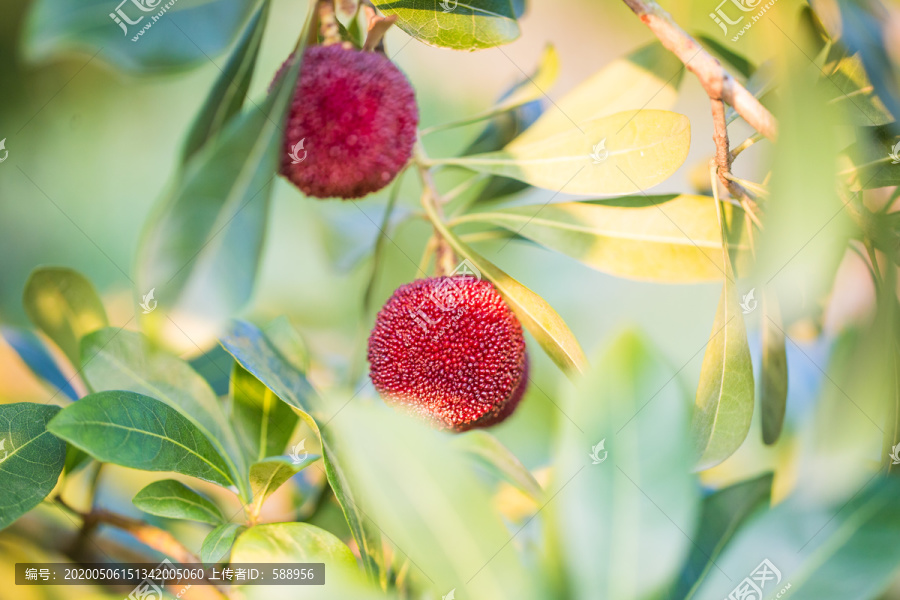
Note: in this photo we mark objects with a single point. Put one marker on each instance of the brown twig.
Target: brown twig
(377, 27)
(445, 259)
(717, 82)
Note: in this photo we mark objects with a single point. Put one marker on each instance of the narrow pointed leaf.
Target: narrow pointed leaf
(774, 371)
(468, 25)
(217, 545)
(64, 305)
(499, 459)
(227, 95)
(136, 431)
(669, 239)
(263, 421)
(174, 500)
(268, 475)
(623, 153)
(31, 458)
(724, 403)
(39, 361)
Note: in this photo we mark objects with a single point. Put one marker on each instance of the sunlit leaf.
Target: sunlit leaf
(671, 239)
(535, 314)
(623, 494)
(852, 90)
(469, 25)
(117, 359)
(774, 371)
(34, 354)
(264, 422)
(724, 403)
(723, 513)
(174, 500)
(217, 545)
(226, 97)
(64, 305)
(136, 431)
(204, 28)
(623, 153)
(32, 458)
(499, 459)
(267, 476)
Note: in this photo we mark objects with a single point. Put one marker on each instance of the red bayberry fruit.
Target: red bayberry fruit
(450, 350)
(351, 126)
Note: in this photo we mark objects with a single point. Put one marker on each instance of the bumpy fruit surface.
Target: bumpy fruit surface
(354, 115)
(450, 350)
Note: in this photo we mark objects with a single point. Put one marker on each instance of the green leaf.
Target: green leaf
(32, 458)
(738, 61)
(670, 239)
(226, 97)
(39, 361)
(117, 359)
(634, 151)
(823, 550)
(624, 84)
(263, 421)
(268, 475)
(536, 316)
(606, 518)
(54, 28)
(136, 431)
(259, 356)
(217, 545)
(498, 458)
(723, 407)
(774, 371)
(723, 513)
(213, 221)
(174, 500)
(471, 25)
(295, 543)
(64, 305)
(855, 93)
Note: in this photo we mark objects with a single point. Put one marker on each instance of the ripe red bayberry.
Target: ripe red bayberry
(450, 350)
(351, 126)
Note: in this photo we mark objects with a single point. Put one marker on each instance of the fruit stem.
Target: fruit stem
(445, 259)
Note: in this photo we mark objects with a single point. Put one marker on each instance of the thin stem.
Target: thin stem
(445, 259)
(745, 144)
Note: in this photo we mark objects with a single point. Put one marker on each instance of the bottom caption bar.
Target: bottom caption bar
(168, 573)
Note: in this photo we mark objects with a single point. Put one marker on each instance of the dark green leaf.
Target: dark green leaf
(469, 25)
(263, 421)
(174, 500)
(64, 305)
(722, 514)
(34, 354)
(217, 545)
(117, 359)
(213, 222)
(196, 30)
(774, 371)
(136, 431)
(31, 459)
(226, 97)
(738, 61)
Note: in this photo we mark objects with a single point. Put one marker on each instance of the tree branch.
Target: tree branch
(717, 82)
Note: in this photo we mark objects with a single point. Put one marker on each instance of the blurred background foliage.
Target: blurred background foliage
(95, 127)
